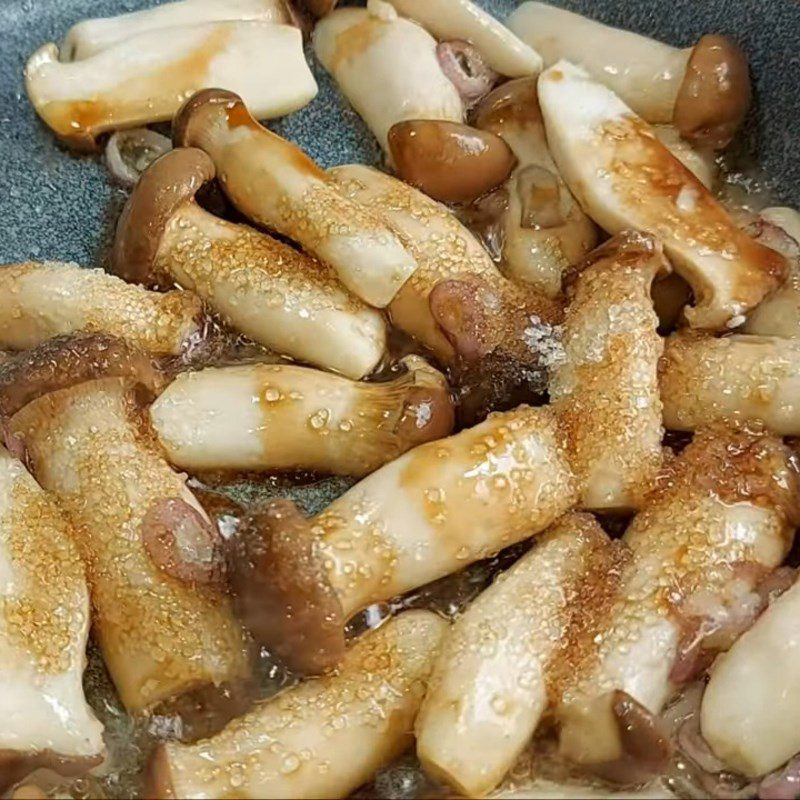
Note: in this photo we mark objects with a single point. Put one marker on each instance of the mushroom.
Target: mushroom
(91, 36)
(703, 90)
(701, 162)
(387, 67)
(544, 229)
(744, 378)
(276, 295)
(321, 738)
(491, 682)
(130, 152)
(751, 704)
(277, 185)
(154, 560)
(720, 520)
(281, 417)
(430, 512)
(39, 300)
(606, 387)
(145, 79)
(463, 20)
(623, 177)
(44, 627)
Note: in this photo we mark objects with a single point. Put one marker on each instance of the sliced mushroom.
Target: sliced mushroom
(701, 162)
(751, 705)
(277, 185)
(464, 20)
(46, 299)
(386, 67)
(606, 388)
(278, 417)
(92, 36)
(44, 627)
(491, 681)
(743, 378)
(130, 152)
(623, 177)
(703, 90)
(722, 518)
(276, 295)
(544, 229)
(163, 625)
(323, 738)
(145, 79)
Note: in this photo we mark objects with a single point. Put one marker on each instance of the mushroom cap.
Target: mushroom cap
(188, 122)
(514, 103)
(281, 591)
(715, 94)
(170, 182)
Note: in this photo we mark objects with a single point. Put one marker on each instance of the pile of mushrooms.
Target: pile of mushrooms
(557, 368)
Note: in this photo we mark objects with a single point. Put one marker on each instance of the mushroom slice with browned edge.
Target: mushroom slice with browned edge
(155, 562)
(264, 288)
(606, 387)
(280, 417)
(322, 738)
(721, 519)
(42, 300)
(701, 162)
(44, 627)
(386, 66)
(544, 229)
(491, 682)
(277, 185)
(703, 90)
(145, 79)
(92, 36)
(623, 177)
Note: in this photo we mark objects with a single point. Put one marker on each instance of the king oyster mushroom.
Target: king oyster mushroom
(281, 417)
(154, 559)
(42, 300)
(698, 160)
(544, 229)
(623, 177)
(145, 79)
(276, 295)
(277, 185)
(703, 90)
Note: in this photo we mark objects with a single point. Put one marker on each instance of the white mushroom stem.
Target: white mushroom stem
(91, 36)
(751, 705)
(276, 417)
(386, 67)
(745, 378)
(700, 162)
(44, 627)
(160, 636)
(145, 79)
(606, 387)
(466, 21)
(490, 684)
(723, 517)
(323, 738)
(41, 300)
(623, 177)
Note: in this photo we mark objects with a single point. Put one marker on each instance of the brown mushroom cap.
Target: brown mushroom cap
(158, 775)
(170, 182)
(715, 94)
(515, 102)
(458, 309)
(281, 592)
(188, 124)
(428, 413)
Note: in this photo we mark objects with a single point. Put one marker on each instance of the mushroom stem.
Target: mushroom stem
(623, 177)
(701, 162)
(491, 682)
(276, 417)
(92, 36)
(276, 295)
(744, 378)
(323, 738)
(386, 67)
(145, 79)
(723, 516)
(277, 185)
(44, 627)
(41, 300)
(606, 387)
